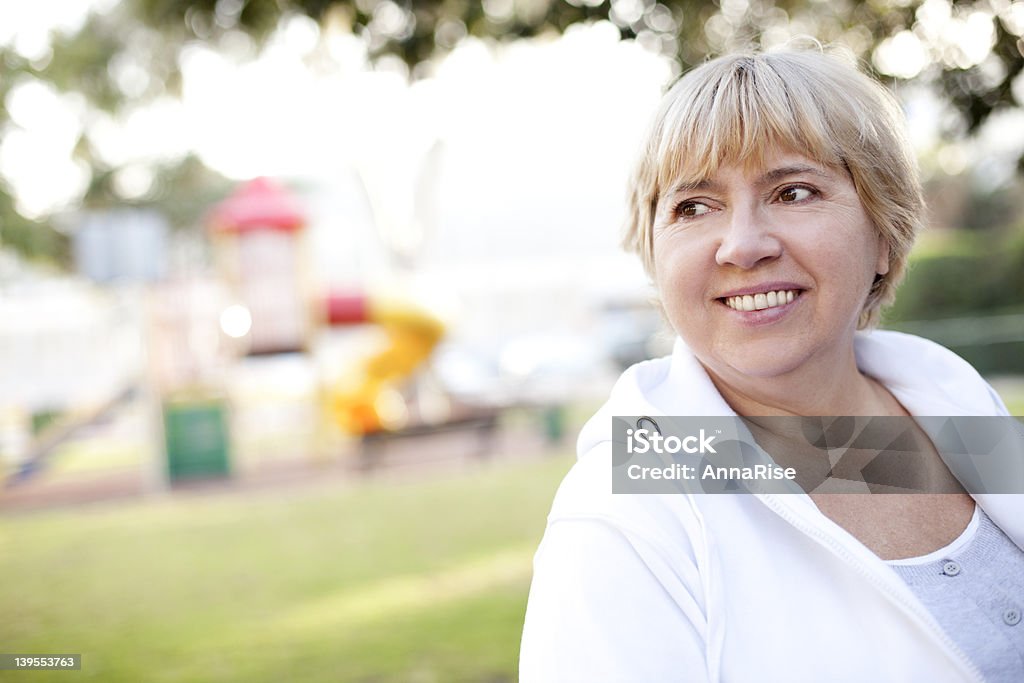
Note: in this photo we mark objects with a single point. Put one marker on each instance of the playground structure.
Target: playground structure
(411, 334)
(259, 301)
(247, 366)
(258, 236)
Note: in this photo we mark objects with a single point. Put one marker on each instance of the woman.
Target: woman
(774, 205)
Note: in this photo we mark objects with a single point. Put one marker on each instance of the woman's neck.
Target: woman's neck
(836, 387)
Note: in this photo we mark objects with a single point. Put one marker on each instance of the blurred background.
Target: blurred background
(302, 302)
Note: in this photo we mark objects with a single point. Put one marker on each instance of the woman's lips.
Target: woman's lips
(761, 300)
(761, 309)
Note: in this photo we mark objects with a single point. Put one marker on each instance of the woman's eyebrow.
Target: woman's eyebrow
(702, 184)
(777, 174)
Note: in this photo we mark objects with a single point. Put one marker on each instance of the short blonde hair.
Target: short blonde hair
(735, 108)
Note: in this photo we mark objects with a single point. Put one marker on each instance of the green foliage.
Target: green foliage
(975, 94)
(943, 286)
(32, 239)
(1004, 358)
(994, 208)
(80, 62)
(182, 191)
(980, 277)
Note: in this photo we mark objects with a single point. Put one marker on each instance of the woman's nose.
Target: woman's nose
(748, 241)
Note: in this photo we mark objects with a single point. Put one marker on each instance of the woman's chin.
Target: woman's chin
(757, 362)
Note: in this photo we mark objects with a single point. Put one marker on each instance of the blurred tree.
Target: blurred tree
(32, 239)
(114, 62)
(182, 191)
(971, 51)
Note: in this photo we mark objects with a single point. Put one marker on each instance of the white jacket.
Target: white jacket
(743, 587)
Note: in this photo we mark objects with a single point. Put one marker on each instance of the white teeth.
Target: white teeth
(757, 302)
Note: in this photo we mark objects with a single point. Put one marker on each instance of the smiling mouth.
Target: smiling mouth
(761, 301)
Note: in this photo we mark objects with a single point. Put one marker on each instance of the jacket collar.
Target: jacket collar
(926, 378)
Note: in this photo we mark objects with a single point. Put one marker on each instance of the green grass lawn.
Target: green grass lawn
(1012, 393)
(386, 581)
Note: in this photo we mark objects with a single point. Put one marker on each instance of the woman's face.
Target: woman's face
(764, 269)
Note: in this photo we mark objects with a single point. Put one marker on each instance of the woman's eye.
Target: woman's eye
(794, 194)
(692, 209)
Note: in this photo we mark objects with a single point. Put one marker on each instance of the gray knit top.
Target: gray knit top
(974, 587)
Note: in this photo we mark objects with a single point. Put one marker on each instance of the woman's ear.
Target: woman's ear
(882, 260)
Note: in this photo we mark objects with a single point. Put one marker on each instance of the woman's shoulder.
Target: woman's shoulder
(612, 569)
(652, 543)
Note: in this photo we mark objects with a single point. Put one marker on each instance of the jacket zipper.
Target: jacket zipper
(838, 549)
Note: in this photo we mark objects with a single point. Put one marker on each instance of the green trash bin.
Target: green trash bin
(196, 437)
(553, 418)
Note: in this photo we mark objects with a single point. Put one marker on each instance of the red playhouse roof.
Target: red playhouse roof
(347, 307)
(260, 204)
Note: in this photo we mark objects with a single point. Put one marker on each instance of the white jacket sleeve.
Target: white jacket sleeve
(600, 611)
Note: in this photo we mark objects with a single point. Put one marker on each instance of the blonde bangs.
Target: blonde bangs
(737, 116)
